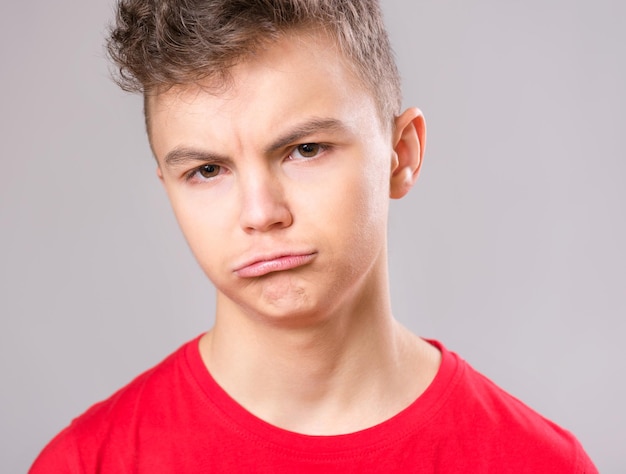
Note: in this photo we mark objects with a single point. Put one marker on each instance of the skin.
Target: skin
(281, 185)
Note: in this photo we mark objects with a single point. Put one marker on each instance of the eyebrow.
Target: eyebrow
(303, 130)
(182, 155)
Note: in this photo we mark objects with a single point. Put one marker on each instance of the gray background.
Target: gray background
(510, 250)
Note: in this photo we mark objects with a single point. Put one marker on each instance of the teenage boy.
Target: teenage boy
(279, 139)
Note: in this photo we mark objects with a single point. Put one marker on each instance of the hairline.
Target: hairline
(221, 80)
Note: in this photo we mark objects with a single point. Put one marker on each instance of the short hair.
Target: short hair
(157, 44)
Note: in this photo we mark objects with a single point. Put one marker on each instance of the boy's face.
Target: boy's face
(280, 182)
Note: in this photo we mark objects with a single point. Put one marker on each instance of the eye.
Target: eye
(206, 172)
(307, 150)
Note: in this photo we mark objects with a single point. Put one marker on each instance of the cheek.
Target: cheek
(352, 206)
(203, 226)
(369, 192)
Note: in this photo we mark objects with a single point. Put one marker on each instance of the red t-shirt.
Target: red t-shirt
(174, 418)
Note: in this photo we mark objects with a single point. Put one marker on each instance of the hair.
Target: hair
(157, 44)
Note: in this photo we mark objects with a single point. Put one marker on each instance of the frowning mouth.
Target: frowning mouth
(262, 266)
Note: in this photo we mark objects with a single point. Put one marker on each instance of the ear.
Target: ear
(409, 139)
(159, 173)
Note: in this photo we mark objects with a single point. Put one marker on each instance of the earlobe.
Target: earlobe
(409, 139)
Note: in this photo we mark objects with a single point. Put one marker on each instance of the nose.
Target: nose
(264, 205)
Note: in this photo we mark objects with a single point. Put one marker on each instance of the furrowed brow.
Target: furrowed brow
(182, 156)
(300, 132)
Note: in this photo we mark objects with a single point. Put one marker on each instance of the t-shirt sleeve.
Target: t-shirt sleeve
(60, 456)
(584, 464)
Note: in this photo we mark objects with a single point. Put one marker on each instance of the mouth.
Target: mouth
(262, 266)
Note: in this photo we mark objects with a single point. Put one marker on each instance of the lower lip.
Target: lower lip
(264, 267)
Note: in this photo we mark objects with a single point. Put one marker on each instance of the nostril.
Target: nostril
(264, 210)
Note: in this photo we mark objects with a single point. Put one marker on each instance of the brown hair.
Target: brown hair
(156, 44)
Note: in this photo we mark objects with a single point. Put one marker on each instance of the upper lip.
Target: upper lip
(267, 257)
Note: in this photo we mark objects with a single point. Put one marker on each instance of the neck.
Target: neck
(340, 373)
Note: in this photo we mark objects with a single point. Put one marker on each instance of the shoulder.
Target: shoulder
(503, 428)
(110, 422)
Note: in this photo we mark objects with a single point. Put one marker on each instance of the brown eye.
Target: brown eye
(209, 171)
(307, 150)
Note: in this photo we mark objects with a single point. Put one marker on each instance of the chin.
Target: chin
(291, 306)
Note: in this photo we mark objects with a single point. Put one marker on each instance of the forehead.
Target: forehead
(298, 75)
